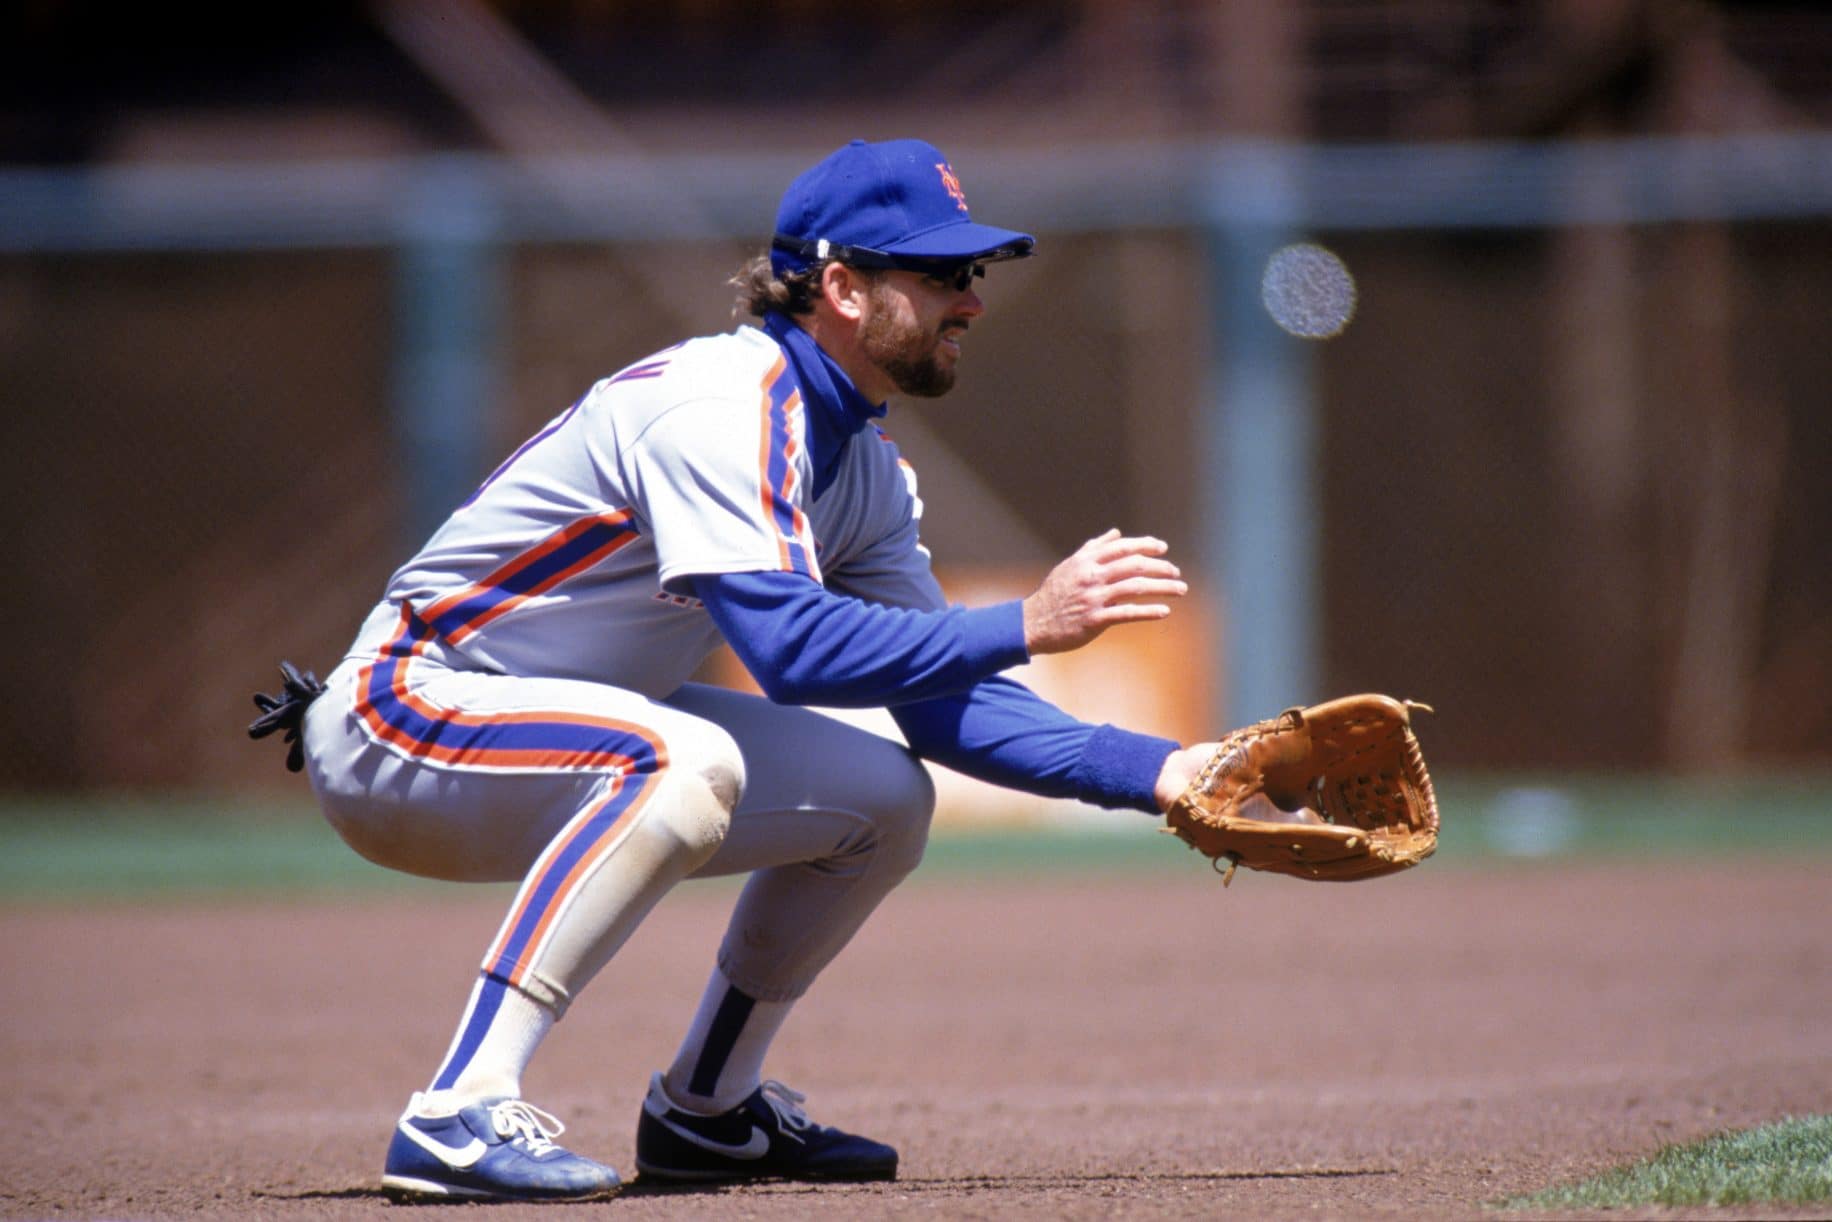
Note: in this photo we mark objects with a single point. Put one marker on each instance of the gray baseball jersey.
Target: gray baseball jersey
(572, 560)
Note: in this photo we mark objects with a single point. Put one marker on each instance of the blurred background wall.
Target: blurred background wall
(278, 285)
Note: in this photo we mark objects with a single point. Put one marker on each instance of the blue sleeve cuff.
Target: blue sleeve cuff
(993, 637)
(1119, 768)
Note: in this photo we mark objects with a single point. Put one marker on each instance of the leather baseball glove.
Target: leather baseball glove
(1334, 792)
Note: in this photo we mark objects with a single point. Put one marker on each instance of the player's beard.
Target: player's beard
(908, 354)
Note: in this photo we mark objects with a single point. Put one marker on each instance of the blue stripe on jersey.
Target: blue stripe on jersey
(779, 472)
(545, 565)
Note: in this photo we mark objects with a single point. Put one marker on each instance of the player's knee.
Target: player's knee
(908, 806)
(693, 815)
(725, 780)
(700, 789)
(714, 757)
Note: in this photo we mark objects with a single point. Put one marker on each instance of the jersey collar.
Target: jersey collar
(836, 411)
(824, 385)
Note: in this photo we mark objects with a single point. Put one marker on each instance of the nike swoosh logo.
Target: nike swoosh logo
(461, 1157)
(755, 1148)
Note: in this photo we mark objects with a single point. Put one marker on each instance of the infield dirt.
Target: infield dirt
(1142, 1046)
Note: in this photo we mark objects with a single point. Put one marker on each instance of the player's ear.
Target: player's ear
(844, 289)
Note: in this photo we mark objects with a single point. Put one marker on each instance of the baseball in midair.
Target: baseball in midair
(1308, 291)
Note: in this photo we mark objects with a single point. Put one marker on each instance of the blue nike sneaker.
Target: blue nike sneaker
(768, 1136)
(495, 1149)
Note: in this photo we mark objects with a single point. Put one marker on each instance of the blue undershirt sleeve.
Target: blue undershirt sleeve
(806, 645)
(1002, 732)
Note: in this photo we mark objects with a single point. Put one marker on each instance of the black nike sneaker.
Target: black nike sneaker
(767, 1136)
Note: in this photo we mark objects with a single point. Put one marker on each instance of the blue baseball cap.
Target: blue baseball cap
(891, 204)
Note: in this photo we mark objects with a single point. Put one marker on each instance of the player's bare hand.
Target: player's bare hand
(1183, 766)
(1111, 579)
(1180, 769)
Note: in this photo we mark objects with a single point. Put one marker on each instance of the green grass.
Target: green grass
(1635, 815)
(1789, 1162)
(138, 846)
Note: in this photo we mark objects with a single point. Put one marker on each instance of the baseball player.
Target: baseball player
(517, 705)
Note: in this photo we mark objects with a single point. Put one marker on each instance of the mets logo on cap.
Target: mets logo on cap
(953, 184)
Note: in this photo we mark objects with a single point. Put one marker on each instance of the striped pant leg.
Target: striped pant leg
(597, 799)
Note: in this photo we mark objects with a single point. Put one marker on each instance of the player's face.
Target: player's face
(913, 327)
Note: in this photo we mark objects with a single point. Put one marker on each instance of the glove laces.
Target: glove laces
(517, 1119)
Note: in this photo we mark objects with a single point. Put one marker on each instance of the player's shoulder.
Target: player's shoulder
(731, 365)
(704, 388)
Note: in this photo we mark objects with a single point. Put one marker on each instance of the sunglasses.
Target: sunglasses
(958, 278)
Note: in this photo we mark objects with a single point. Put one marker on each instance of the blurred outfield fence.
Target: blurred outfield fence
(1562, 476)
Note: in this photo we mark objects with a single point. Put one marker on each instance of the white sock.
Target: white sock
(721, 1060)
(491, 1050)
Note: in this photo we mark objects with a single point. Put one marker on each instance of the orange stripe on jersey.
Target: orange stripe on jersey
(791, 480)
(565, 553)
(778, 478)
(766, 448)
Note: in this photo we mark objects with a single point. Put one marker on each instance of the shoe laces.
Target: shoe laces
(518, 1119)
(786, 1103)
